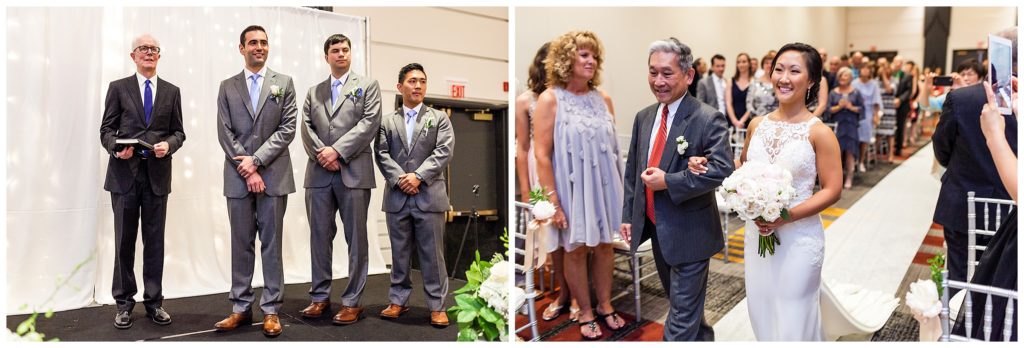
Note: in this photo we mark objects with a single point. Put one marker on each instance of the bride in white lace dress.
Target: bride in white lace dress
(782, 289)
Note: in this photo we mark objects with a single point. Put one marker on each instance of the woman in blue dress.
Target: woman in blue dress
(871, 113)
(845, 105)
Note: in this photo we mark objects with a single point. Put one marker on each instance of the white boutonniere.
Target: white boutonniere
(430, 122)
(355, 93)
(276, 91)
(681, 144)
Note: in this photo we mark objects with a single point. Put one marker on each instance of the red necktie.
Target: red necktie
(655, 159)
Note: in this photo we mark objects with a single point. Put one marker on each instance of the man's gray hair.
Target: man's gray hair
(672, 45)
(137, 41)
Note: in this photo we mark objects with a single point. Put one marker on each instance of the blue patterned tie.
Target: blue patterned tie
(410, 124)
(147, 102)
(334, 92)
(254, 92)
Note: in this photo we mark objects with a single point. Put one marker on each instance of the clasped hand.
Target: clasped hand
(328, 158)
(409, 183)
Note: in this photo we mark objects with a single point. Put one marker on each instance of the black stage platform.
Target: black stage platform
(194, 318)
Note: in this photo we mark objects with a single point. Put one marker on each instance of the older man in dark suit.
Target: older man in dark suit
(146, 108)
(666, 203)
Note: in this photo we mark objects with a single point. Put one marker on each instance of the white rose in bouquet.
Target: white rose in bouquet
(760, 191)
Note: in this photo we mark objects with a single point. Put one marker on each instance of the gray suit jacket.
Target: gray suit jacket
(688, 224)
(349, 127)
(264, 132)
(428, 157)
(706, 92)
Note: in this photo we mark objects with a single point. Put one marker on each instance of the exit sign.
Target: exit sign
(458, 91)
(456, 87)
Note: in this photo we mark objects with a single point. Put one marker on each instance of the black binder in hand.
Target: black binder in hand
(120, 144)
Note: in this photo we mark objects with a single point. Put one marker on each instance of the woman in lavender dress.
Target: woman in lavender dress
(578, 156)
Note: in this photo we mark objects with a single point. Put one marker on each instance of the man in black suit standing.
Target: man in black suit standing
(903, 100)
(146, 108)
(960, 147)
(663, 200)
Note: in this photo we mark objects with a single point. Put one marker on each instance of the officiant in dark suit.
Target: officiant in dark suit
(144, 107)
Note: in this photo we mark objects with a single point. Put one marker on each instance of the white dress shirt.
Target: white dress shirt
(672, 107)
(719, 91)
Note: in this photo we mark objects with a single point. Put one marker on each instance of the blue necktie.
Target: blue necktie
(147, 102)
(410, 124)
(254, 92)
(334, 92)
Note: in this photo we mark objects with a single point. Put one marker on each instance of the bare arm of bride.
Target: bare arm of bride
(830, 173)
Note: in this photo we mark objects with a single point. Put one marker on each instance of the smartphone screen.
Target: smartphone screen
(942, 81)
(1000, 56)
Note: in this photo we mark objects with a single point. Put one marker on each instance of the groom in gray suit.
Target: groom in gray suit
(663, 200)
(341, 117)
(413, 150)
(255, 123)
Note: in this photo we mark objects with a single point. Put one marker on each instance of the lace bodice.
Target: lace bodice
(788, 145)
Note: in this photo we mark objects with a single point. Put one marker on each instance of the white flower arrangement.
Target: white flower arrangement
(923, 299)
(681, 144)
(543, 210)
(760, 191)
(430, 122)
(276, 91)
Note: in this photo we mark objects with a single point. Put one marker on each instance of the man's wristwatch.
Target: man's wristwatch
(257, 161)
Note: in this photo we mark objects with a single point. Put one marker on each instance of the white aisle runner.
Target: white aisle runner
(873, 243)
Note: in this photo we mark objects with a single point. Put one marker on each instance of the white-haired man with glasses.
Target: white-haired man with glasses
(148, 109)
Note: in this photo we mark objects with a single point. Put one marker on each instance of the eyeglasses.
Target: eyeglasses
(148, 49)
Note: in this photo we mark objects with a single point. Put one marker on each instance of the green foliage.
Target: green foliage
(27, 328)
(475, 318)
(937, 263)
(538, 196)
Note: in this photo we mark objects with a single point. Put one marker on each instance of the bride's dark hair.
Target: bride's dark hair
(814, 66)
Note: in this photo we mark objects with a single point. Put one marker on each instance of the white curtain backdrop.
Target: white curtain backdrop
(59, 64)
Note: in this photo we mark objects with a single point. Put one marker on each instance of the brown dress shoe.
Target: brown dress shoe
(315, 309)
(233, 321)
(393, 311)
(347, 315)
(271, 325)
(439, 319)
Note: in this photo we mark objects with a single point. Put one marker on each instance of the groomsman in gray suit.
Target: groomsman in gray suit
(341, 117)
(413, 150)
(255, 123)
(145, 107)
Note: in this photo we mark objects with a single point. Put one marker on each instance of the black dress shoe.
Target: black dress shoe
(123, 320)
(159, 316)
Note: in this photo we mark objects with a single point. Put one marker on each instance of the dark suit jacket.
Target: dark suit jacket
(688, 224)
(428, 157)
(125, 118)
(903, 93)
(960, 146)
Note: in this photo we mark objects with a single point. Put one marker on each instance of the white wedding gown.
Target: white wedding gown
(782, 289)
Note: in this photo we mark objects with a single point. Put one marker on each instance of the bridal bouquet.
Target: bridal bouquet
(762, 192)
